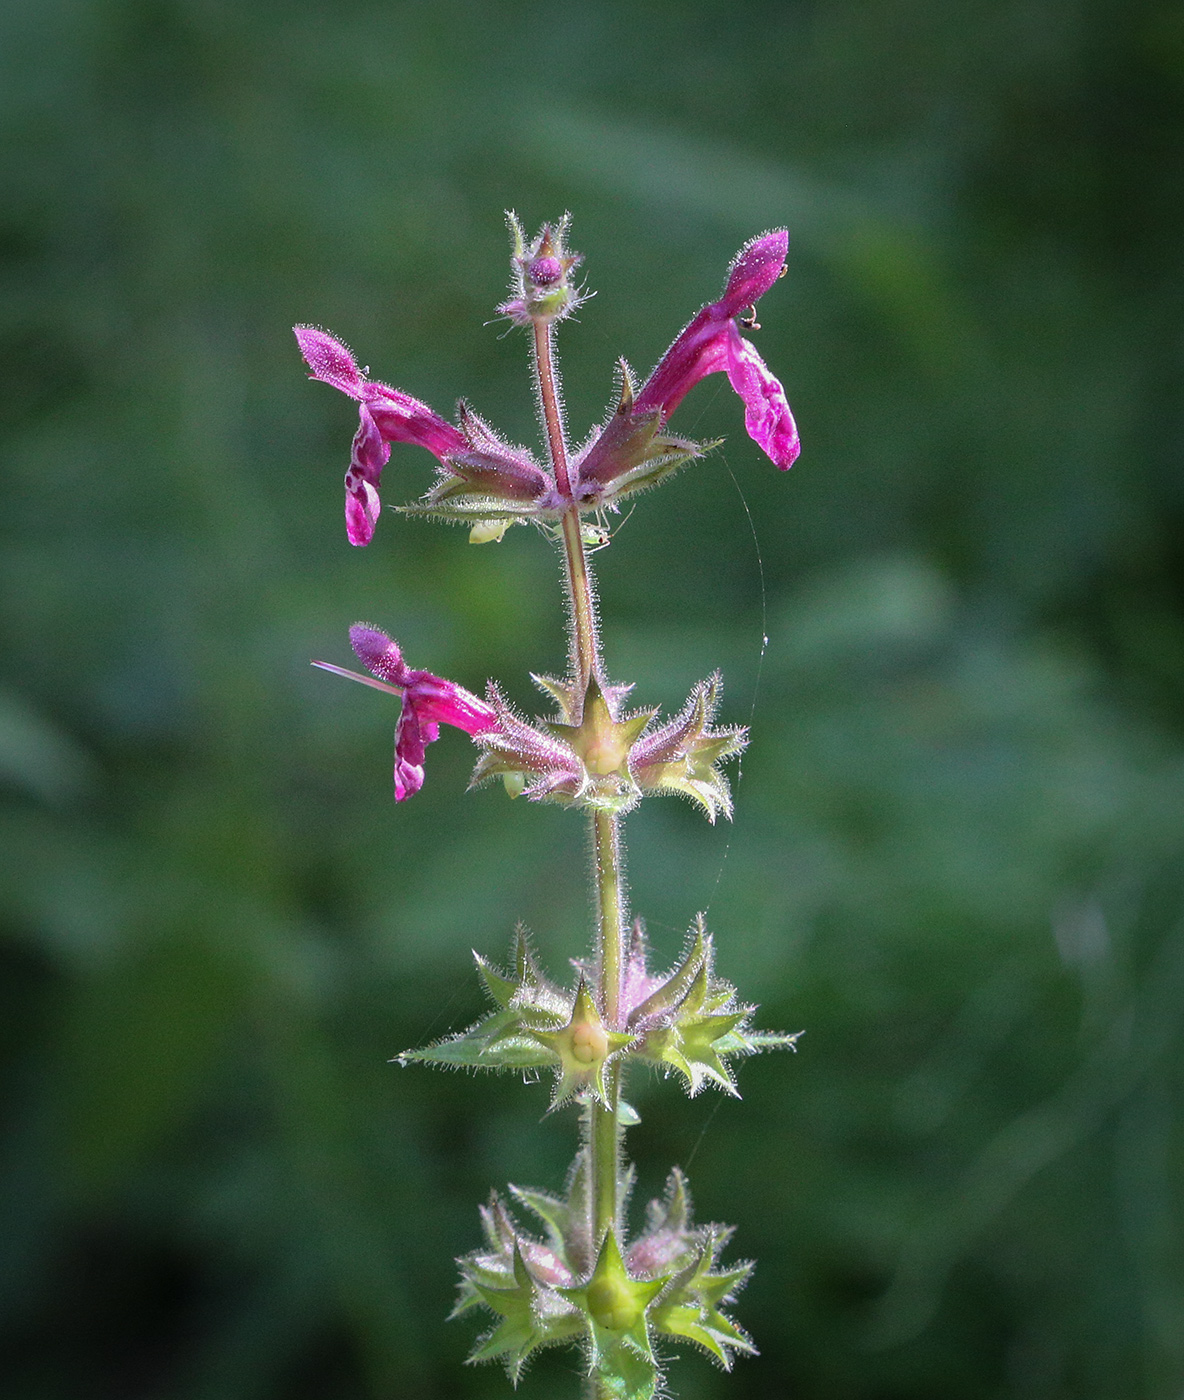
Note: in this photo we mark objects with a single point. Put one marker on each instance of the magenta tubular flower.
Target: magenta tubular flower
(387, 415)
(712, 342)
(428, 702)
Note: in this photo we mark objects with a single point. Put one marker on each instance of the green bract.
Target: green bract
(617, 1301)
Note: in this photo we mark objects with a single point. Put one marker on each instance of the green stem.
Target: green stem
(604, 1126)
(549, 403)
(610, 904)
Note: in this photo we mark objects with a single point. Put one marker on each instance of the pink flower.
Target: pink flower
(712, 342)
(428, 702)
(386, 415)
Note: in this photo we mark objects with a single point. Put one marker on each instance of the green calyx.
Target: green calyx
(687, 761)
(615, 1304)
(524, 1001)
(692, 1022)
(527, 1318)
(672, 992)
(600, 740)
(602, 743)
(614, 1301)
(533, 1025)
(695, 1040)
(582, 1047)
(690, 1308)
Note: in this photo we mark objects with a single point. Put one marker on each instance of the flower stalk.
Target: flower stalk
(581, 1278)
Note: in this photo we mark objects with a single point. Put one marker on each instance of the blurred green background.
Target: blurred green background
(958, 859)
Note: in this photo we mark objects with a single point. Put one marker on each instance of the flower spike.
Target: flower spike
(488, 484)
(539, 286)
(577, 1276)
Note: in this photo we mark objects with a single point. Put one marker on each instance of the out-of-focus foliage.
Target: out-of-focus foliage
(958, 860)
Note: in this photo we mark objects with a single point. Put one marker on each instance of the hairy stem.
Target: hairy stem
(581, 602)
(584, 642)
(604, 1122)
(602, 1131)
(548, 389)
(610, 904)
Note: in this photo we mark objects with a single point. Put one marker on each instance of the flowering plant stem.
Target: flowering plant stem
(585, 1281)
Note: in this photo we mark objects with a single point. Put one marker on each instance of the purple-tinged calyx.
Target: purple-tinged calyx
(683, 755)
(628, 453)
(668, 1241)
(595, 755)
(488, 468)
(529, 758)
(637, 983)
(540, 275)
(428, 702)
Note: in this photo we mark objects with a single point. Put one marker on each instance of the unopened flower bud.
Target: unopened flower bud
(545, 272)
(540, 285)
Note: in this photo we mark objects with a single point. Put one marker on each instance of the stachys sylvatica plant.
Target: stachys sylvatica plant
(572, 1273)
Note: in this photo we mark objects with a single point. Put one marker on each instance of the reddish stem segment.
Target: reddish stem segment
(584, 633)
(544, 361)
